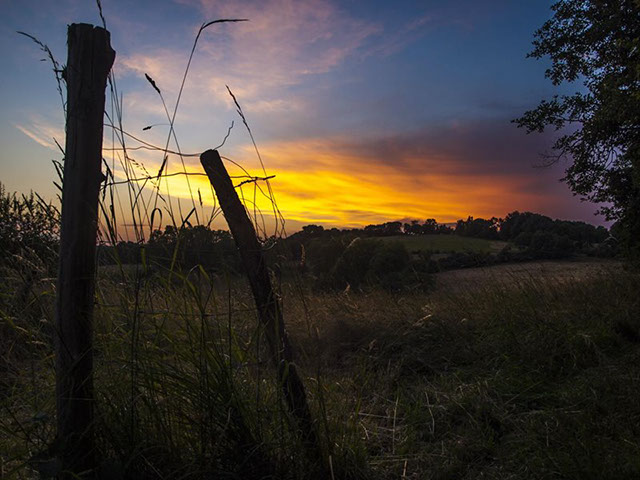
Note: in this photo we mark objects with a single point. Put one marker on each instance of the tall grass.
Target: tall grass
(184, 388)
(182, 385)
(530, 379)
(524, 377)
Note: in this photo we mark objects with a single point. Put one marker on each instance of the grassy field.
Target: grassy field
(526, 375)
(525, 371)
(576, 270)
(447, 243)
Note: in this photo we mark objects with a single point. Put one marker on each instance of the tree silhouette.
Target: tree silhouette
(597, 43)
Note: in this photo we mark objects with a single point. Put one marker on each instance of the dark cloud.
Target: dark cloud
(492, 153)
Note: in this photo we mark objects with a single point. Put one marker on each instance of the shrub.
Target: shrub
(323, 253)
(29, 245)
(353, 265)
(389, 266)
(367, 263)
(29, 227)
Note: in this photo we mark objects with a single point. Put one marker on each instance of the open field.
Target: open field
(575, 270)
(515, 371)
(532, 377)
(447, 243)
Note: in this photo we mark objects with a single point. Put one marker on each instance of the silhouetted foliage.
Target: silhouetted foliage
(459, 260)
(538, 234)
(365, 262)
(323, 253)
(182, 248)
(429, 227)
(213, 249)
(312, 231)
(516, 223)
(389, 266)
(478, 228)
(337, 260)
(598, 43)
(352, 266)
(29, 229)
(29, 241)
(352, 258)
(384, 230)
(581, 233)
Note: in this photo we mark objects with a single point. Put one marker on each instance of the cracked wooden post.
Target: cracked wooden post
(90, 58)
(267, 303)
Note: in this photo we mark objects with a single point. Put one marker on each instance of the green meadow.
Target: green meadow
(447, 243)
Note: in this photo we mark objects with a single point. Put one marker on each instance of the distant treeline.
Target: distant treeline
(353, 256)
(541, 235)
(534, 235)
(507, 229)
(180, 248)
(357, 257)
(526, 230)
(388, 229)
(520, 227)
(331, 258)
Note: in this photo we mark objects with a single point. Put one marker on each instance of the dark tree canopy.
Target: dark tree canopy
(595, 43)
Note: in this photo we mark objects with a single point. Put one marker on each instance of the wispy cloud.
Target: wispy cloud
(284, 43)
(42, 132)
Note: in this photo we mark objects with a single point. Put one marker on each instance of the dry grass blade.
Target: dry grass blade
(277, 215)
(254, 179)
(186, 219)
(193, 49)
(59, 146)
(164, 163)
(149, 127)
(99, 5)
(224, 140)
(223, 20)
(238, 108)
(153, 84)
(59, 72)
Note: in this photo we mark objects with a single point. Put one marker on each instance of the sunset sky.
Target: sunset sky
(365, 111)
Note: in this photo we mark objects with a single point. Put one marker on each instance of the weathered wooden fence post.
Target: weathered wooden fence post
(269, 311)
(90, 58)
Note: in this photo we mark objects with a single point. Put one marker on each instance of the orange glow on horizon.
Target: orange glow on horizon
(315, 184)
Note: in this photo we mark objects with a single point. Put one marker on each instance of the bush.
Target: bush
(323, 253)
(183, 248)
(352, 267)
(29, 244)
(29, 229)
(367, 263)
(610, 248)
(389, 266)
(389, 257)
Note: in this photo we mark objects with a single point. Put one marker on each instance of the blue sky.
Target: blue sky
(365, 111)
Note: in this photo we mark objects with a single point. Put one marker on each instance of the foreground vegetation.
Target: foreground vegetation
(518, 376)
(502, 372)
